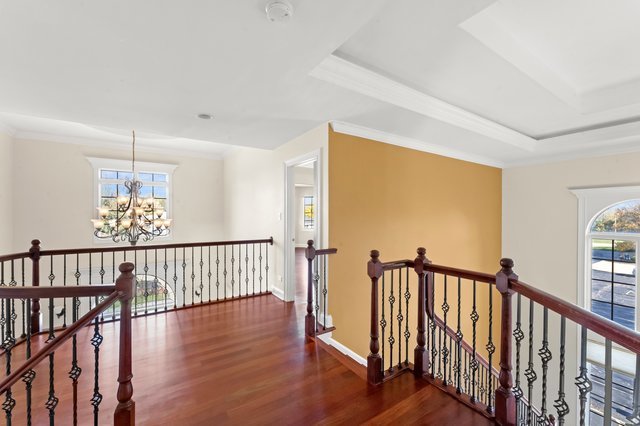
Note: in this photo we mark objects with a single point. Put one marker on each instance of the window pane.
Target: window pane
(108, 174)
(622, 395)
(601, 291)
(108, 190)
(624, 316)
(145, 177)
(601, 308)
(122, 190)
(161, 203)
(159, 177)
(160, 192)
(109, 203)
(145, 191)
(624, 295)
(622, 217)
(124, 175)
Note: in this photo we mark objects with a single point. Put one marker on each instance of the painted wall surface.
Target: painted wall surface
(6, 193)
(255, 194)
(395, 199)
(302, 234)
(54, 196)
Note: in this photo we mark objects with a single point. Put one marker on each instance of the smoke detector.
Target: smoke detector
(279, 11)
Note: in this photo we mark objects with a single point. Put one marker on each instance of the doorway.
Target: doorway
(302, 222)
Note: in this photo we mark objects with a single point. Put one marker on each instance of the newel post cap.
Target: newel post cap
(310, 250)
(126, 267)
(374, 266)
(421, 260)
(505, 274)
(34, 250)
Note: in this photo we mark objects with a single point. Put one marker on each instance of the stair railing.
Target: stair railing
(317, 290)
(168, 277)
(120, 293)
(459, 357)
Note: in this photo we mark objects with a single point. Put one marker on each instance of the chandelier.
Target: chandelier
(134, 217)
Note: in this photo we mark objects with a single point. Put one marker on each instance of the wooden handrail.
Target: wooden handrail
(462, 273)
(14, 256)
(604, 327)
(397, 264)
(56, 291)
(53, 345)
(320, 252)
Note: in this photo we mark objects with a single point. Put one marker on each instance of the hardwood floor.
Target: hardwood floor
(243, 362)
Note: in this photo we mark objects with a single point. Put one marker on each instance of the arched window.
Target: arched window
(613, 239)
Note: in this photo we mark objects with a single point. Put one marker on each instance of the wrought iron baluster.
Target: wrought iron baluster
(444, 350)
(465, 374)
(450, 376)
(518, 336)
(113, 280)
(134, 303)
(530, 373)
(23, 308)
(193, 277)
(30, 375)
(316, 281)
(545, 356)
(407, 334)
(400, 318)
(64, 283)
(96, 399)
(608, 383)
(246, 269)
(266, 267)
(253, 268)
(165, 266)
(175, 277)
(52, 400)
(8, 344)
(233, 291)
(324, 291)
(392, 339)
(439, 375)
(224, 272)
(383, 321)
(432, 326)
(459, 336)
(217, 272)
(184, 277)
(76, 371)
(51, 278)
(474, 361)
(491, 348)
(260, 269)
(155, 280)
(560, 404)
(239, 269)
(201, 287)
(3, 318)
(209, 274)
(146, 282)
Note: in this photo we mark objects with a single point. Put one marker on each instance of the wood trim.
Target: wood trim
(397, 264)
(320, 252)
(14, 256)
(606, 328)
(462, 273)
(55, 292)
(17, 374)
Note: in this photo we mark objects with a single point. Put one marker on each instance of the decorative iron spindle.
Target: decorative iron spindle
(51, 278)
(184, 278)
(491, 348)
(246, 269)
(324, 291)
(113, 279)
(217, 272)
(52, 400)
(439, 374)
(193, 277)
(407, 334)
(444, 351)
(30, 375)
(165, 267)
(459, 337)
(545, 356)
(76, 371)
(266, 267)
(175, 275)
(260, 259)
(146, 281)
(8, 344)
(209, 274)
(432, 326)
(474, 361)
(400, 318)
(530, 373)
(392, 339)
(253, 268)
(316, 285)
(201, 287)
(155, 281)
(560, 404)
(96, 399)
(3, 318)
(383, 321)
(518, 336)
(233, 260)
(23, 307)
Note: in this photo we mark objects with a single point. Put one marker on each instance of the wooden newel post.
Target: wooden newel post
(420, 354)
(34, 254)
(505, 400)
(374, 361)
(125, 413)
(309, 319)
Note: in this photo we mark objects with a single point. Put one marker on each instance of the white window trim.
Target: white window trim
(141, 167)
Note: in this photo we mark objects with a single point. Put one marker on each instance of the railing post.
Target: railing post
(374, 361)
(420, 354)
(505, 400)
(309, 319)
(125, 413)
(34, 254)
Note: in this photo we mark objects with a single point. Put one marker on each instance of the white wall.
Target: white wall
(303, 234)
(255, 193)
(54, 197)
(6, 193)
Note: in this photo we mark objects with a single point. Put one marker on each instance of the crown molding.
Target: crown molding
(393, 139)
(350, 76)
(110, 144)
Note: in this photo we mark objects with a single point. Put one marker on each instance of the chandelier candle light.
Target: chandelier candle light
(134, 217)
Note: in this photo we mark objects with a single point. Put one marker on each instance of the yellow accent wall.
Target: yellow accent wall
(396, 199)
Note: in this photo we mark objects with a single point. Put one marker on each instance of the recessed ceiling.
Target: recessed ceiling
(497, 82)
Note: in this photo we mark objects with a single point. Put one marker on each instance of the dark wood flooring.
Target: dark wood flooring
(242, 362)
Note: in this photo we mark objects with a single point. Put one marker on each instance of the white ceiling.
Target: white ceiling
(498, 82)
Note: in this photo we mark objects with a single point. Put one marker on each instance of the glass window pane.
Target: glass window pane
(124, 175)
(122, 190)
(601, 291)
(624, 316)
(109, 203)
(624, 295)
(601, 308)
(160, 192)
(161, 203)
(159, 177)
(622, 217)
(108, 174)
(145, 191)
(108, 190)
(145, 177)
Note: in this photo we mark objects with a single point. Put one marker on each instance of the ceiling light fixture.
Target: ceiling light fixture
(131, 217)
(279, 11)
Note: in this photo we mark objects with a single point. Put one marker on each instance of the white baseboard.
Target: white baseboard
(328, 339)
(277, 292)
